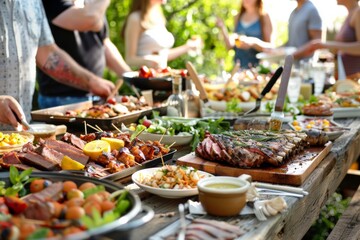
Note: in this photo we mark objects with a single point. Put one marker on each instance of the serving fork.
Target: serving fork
(266, 89)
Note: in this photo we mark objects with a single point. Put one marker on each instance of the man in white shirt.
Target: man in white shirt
(26, 41)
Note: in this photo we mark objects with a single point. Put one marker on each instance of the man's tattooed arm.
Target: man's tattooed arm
(65, 70)
(60, 66)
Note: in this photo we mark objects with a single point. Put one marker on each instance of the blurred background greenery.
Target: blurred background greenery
(186, 19)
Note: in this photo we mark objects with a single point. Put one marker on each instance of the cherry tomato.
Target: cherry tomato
(111, 101)
(166, 70)
(147, 123)
(144, 72)
(38, 185)
(68, 185)
(152, 72)
(125, 99)
(86, 185)
(74, 212)
(183, 72)
(107, 205)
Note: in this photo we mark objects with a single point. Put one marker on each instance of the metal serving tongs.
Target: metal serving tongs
(23, 122)
(266, 89)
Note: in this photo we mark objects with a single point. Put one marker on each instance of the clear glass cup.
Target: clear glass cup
(294, 86)
(163, 54)
(318, 73)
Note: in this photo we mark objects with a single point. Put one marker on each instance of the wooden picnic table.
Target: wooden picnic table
(301, 213)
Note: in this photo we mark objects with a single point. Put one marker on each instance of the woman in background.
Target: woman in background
(253, 29)
(147, 40)
(347, 40)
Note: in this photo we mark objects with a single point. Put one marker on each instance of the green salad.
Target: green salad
(172, 126)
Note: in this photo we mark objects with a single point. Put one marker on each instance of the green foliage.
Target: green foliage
(328, 217)
(185, 19)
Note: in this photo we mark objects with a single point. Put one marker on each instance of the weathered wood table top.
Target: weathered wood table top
(301, 213)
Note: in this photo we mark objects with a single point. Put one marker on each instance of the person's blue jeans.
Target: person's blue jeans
(47, 101)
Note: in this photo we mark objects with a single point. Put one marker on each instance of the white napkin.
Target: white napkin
(197, 208)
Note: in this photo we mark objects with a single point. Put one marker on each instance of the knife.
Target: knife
(279, 104)
(277, 115)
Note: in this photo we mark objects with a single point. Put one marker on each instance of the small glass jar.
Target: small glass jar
(276, 120)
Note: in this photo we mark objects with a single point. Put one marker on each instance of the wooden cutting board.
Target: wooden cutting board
(293, 172)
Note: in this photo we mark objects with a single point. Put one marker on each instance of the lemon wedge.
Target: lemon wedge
(115, 143)
(68, 163)
(95, 148)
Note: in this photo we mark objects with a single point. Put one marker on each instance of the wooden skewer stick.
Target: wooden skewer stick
(136, 163)
(162, 136)
(85, 128)
(162, 159)
(138, 134)
(116, 128)
(104, 169)
(92, 127)
(100, 130)
(171, 145)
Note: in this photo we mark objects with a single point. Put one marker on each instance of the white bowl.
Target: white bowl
(166, 193)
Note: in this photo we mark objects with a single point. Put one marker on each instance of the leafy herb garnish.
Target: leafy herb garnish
(18, 181)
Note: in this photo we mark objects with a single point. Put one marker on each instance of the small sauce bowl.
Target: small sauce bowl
(46, 131)
(223, 196)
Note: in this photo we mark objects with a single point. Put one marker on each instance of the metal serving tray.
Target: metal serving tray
(53, 116)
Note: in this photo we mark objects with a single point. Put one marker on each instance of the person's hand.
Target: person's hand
(194, 44)
(10, 111)
(219, 22)
(101, 87)
(246, 42)
(309, 48)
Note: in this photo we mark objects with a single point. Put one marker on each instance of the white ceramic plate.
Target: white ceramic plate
(276, 54)
(331, 134)
(166, 193)
(345, 112)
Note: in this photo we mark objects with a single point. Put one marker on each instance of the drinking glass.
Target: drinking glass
(319, 75)
(163, 54)
(294, 86)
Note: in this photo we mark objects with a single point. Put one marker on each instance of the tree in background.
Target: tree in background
(186, 19)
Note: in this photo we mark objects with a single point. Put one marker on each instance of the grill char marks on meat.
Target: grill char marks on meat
(73, 140)
(11, 158)
(67, 150)
(251, 148)
(38, 161)
(49, 153)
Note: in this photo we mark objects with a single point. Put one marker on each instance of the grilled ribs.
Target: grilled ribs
(251, 148)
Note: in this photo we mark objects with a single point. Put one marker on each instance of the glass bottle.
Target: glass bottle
(191, 101)
(175, 102)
